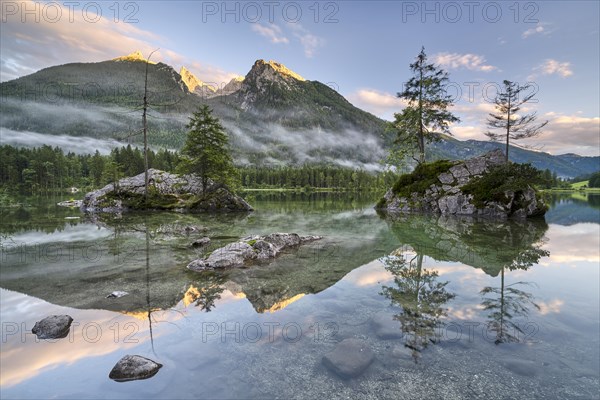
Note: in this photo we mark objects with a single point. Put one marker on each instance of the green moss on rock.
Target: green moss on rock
(421, 178)
(493, 186)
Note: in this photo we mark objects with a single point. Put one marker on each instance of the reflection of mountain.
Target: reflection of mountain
(573, 208)
(485, 244)
(79, 273)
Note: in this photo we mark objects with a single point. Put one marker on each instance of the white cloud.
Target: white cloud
(539, 29)
(271, 32)
(552, 67)
(382, 104)
(309, 42)
(468, 61)
(28, 47)
(563, 134)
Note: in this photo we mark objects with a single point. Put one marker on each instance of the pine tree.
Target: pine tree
(206, 150)
(516, 127)
(427, 108)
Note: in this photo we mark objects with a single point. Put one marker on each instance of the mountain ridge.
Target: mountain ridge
(274, 115)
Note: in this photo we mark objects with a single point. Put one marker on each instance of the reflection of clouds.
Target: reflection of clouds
(551, 307)
(466, 313)
(80, 232)
(369, 274)
(28, 358)
(575, 243)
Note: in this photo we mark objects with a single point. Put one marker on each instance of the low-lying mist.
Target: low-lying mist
(85, 129)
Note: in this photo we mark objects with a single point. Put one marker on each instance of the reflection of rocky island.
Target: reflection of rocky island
(494, 247)
(480, 243)
(421, 297)
(107, 253)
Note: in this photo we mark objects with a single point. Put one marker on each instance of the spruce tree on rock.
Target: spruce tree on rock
(513, 126)
(427, 108)
(206, 150)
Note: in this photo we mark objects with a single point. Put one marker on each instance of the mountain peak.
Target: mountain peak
(135, 56)
(261, 65)
(194, 84)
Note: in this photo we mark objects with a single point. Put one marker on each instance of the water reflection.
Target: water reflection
(205, 291)
(495, 247)
(572, 208)
(484, 244)
(421, 297)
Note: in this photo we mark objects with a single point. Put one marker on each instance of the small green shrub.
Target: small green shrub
(500, 179)
(381, 203)
(421, 178)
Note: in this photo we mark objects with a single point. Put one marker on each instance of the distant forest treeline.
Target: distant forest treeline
(49, 169)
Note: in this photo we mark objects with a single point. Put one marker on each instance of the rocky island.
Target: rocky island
(481, 186)
(166, 191)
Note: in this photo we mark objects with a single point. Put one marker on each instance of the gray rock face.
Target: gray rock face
(350, 358)
(447, 198)
(130, 368)
(168, 186)
(250, 248)
(53, 327)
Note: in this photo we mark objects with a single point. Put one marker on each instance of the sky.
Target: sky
(362, 49)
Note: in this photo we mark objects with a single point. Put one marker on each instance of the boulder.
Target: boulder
(446, 197)
(166, 192)
(385, 326)
(130, 368)
(249, 248)
(53, 327)
(116, 294)
(350, 358)
(201, 242)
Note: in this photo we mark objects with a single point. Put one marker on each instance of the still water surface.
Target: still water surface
(451, 307)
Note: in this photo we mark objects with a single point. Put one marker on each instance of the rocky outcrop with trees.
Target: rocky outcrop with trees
(166, 191)
(480, 186)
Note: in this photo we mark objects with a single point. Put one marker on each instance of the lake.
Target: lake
(450, 307)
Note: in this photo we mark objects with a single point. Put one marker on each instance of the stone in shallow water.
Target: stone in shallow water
(385, 326)
(130, 368)
(53, 327)
(350, 358)
(522, 367)
(201, 242)
(117, 294)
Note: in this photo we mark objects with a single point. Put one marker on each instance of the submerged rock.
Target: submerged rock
(350, 358)
(117, 294)
(70, 203)
(438, 189)
(250, 248)
(166, 192)
(53, 327)
(133, 367)
(201, 242)
(385, 326)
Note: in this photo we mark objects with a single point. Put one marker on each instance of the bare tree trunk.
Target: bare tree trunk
(507, 131)
(145, 127)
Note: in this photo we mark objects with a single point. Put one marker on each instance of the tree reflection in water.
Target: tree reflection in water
(508, 301)
(208, 290)
(421, 298)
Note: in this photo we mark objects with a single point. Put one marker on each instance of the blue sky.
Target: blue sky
(361, 48)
